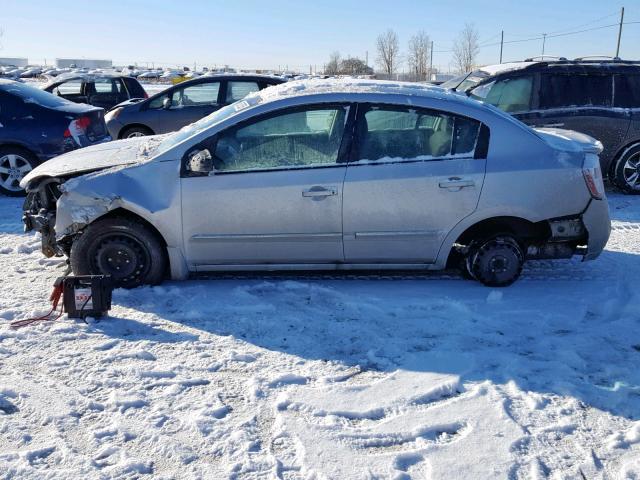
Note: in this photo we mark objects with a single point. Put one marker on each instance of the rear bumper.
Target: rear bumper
(113, 128)
(598, 224)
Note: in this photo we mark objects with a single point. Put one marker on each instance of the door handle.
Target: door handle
(315, 192)
(455, 184)
(551, 125)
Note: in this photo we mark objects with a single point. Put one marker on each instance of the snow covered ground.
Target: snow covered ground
(328, 377)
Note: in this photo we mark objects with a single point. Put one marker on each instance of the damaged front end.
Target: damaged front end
(39, 214)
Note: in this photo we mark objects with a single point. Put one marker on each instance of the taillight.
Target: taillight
(593, 176)
(146, 95)
(77, 127)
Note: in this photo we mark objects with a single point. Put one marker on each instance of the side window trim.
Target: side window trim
(481, 142)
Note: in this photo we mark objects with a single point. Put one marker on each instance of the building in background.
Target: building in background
(14, 62)
(83, 63)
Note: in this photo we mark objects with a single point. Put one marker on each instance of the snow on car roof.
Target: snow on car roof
(349, 85)
(505, 67)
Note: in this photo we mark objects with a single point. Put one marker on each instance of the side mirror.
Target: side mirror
(166, 103)
(199, 161)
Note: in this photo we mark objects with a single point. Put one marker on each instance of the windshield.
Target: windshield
(206, 122)
(34, 95)
(455, 81)
(471, 81)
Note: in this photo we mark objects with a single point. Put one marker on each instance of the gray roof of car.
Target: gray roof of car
(299, 88)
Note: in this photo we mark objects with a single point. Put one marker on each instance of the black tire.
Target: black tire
(132, 132)
(128, 251)
(626, 173)
(15, 163)
(496, 262)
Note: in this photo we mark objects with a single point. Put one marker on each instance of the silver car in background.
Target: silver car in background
(326, 174)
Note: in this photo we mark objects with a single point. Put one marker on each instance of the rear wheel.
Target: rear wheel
(129, 252)
(626, 174)
(495, 262)
(15, 163)
(133, 132)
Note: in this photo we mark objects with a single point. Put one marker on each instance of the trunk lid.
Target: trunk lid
(569, 140)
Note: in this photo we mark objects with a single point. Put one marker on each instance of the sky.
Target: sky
(301, 34)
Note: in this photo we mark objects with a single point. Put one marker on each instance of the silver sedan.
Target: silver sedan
(326, 175)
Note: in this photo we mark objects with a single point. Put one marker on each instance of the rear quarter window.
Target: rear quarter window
(576, 90)
(627, 91)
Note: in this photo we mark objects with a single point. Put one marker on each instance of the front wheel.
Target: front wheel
(626, 174)
(496, 262)
(129, 252)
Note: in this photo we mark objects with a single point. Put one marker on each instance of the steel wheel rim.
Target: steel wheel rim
(631, 172)
(114, 250)
(13, 168)
(136, 134)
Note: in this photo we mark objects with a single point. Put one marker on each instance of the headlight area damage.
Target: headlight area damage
(60, 208)
(66, 194)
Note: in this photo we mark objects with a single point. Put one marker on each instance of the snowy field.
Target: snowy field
(326, 377)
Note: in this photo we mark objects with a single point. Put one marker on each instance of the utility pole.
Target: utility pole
(544, 40)
(501, 44)
(431, 62)
(620, 32)
(366, 56)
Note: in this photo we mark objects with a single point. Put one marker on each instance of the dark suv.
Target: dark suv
(600, 98)
(102, 90)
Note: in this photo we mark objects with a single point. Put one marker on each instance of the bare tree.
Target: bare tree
(354, 66)
(333, 67)
(466, 48)
(388, 48)
(418, 55)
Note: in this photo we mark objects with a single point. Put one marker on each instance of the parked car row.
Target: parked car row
(69, 113)
(326, 175)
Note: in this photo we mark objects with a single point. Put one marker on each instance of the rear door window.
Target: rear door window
(238, 90)
(509, 94)
(103, 85)
(389, 133)
(626, 91)
(576, 90)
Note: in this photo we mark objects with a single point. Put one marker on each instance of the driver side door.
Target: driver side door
(187, 105)
(275, 196)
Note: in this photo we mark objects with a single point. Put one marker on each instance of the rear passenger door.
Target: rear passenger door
(412, 176)
(583, 102)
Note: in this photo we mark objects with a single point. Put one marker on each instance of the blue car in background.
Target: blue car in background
(36, 126)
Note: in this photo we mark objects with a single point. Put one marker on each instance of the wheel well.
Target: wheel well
(134, 125)
(523, 230)
(129, 215)
(21, 147)
(612, 166)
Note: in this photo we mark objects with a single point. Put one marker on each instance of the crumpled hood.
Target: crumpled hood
(569, 140)
(95, 157)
